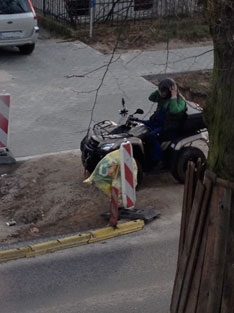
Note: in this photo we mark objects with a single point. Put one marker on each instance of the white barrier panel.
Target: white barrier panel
(127, 175)
(4, 118)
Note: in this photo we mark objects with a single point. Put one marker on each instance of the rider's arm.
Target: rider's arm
(154, 96)
(176, 105)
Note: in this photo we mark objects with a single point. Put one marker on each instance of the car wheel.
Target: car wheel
(185, 155)
(27, 49)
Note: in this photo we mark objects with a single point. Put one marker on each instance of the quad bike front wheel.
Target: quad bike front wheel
(185, 155)
(89, 166)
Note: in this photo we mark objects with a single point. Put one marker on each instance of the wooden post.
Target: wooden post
(228, 285)
(205, 270)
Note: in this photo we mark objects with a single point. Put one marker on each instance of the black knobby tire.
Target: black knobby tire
(27, 49)
(90, 167)
(139, 172)
(83, 141)
(185, 155)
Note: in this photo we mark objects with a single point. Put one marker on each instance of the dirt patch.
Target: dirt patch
(107, 47)
(149, 34)
(47, 196)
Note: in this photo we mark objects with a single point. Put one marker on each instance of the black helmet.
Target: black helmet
(165, 85)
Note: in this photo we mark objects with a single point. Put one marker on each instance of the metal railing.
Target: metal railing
(77, 12)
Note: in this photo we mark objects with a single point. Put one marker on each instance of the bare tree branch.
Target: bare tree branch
(184, 58)
(107, 68)
(96, 69)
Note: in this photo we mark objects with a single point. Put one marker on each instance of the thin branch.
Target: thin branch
(107, 68)
(74, 76)
(100, 85)
(185, 58)
(135, 57)
(117, 82)
(167, 57)
(84, 91)
(96, 69)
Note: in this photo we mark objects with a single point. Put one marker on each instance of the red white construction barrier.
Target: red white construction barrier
(114, 208)
(5, 155)
(127, 175)
(4, 118)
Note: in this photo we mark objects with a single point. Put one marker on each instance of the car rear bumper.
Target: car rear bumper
(22, 41)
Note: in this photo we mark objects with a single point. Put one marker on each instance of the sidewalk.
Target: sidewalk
(50, 112)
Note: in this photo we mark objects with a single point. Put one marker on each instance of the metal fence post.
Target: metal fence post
(92, 5)
(43, 7)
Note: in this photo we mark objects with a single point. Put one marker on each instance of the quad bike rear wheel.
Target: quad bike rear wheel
(185, 155)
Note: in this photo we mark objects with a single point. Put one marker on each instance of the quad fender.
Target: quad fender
(138, 148)
(180, 144)
(177, 146)
(138, 154)
(137, 142)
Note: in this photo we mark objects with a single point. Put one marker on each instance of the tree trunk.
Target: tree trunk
(220, 108)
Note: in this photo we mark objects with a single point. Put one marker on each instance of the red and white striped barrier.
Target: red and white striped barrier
(5, 155)
(127, 175)
(114, 208)
(4, 117)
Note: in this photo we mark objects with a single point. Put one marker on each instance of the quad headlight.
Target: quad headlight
(107, 146)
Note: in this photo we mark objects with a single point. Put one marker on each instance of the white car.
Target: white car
(18, 25)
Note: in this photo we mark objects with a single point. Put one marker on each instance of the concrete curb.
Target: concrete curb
(70, 242)
(39, 156)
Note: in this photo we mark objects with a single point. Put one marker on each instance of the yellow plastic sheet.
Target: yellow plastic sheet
(107, 173)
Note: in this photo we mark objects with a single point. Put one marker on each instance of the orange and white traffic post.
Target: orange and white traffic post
(127, 184)
(4, 118)
(114, 206)
(128, 187)
(5, 155)
(127, 175)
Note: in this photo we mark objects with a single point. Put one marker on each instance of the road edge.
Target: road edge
(71, 241)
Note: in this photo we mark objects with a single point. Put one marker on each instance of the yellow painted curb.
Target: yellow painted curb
(13, 254)
(110, 232)
(72, 241)
(60, 244)
(44, 247)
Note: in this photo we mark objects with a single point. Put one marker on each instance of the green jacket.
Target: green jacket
(173, 106)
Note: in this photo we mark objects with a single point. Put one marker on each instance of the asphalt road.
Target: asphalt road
(132, 273)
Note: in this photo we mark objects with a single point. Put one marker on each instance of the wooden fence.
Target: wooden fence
(204, 280)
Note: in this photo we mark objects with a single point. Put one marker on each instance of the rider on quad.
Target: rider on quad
(172, 133)
(168, 118)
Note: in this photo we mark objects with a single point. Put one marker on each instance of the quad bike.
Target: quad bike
(107, 136)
